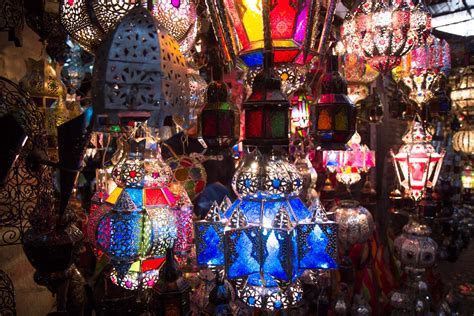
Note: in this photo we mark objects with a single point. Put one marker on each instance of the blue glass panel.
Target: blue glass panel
(255, 279)
(210, 247)
(272, 264)
(314, 251)
(270, 211)
(241, 261)
(253, 59)
(294, 258)
(299, 209)
(136, 195)
(231, 209)
(251, 210)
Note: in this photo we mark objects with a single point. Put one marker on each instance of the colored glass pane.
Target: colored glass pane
(252, 19)
(342, 123)
(253, 59)
(155, 197)
(136, 195)
(301, 24)
(112, 199)
(278, 124)
(282, 19)
(253, 124)
(226, 123)
(324, 120)
(209, 123)
(284, 56)
(272, 264)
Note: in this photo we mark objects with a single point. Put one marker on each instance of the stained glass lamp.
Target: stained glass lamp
(267, 237)
(242, 27)
(348, 165)
(384, 31)
(467, 178)
(417, 163)
(333, 117)
(219, 119)
(136, 224)
(266, 114)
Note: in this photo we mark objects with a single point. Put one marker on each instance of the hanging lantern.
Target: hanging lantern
(420, 84)
(244, 27)
(140, 69)
(334, 116)
(463, 140)
(89, 21)
(384, 31)
(12, 20)
(266, 114)
(136, 224)
(219, 119)
(462, 94)
(349, 164)
(178, 17)
(417, 163)
(301, 104)
(267, 237)
(42, 83)
(414, 248)
(356, 224)
(467, 178)
(308, 174)
(73, 68)
(189, 173)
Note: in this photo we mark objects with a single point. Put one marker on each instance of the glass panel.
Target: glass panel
(253, 124)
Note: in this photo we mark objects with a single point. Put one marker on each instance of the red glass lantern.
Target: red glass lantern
(266, 114)
(383, 31)
(334, 116)
(417, 162)
(243, 26)
(219, 119)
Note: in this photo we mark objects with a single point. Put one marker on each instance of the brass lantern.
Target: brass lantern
(463, 140)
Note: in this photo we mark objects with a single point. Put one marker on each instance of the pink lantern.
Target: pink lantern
(349, 164)
(417, 162)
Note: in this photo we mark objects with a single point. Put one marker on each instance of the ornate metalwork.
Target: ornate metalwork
(140, 68)
(11, 19)
(7, 295)
(19, 195)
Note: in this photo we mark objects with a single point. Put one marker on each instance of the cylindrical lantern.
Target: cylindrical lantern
(242, 27)
(219, 120)
(462, 94)
(333, 118)
(467, 178)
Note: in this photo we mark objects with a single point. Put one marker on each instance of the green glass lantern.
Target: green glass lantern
(219, 120)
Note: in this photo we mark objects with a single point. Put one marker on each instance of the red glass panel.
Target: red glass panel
(225, 123)
(282, 20)
(209, 124)
(237, 23)
(154, 197)
(253, 123)
(152, 264)
(285, 56)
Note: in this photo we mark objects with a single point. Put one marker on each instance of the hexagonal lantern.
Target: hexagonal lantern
(267, 237)
(139, 68)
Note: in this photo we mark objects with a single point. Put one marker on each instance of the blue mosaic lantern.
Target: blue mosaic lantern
(267, 238)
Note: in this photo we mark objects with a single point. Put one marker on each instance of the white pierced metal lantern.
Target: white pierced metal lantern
(140, 69)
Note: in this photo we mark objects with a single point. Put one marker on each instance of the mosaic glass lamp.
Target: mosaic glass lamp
(384, 31)
(242, 27)
(348, 165)
(219, 119)
(467, 178)
(267, 237)
(136, 224)
(417, 163)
